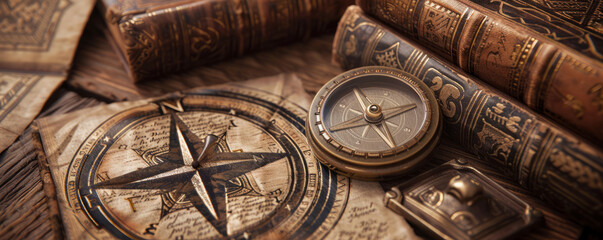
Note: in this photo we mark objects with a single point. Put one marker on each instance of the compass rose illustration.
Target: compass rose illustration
(207, 164)
(195, 171)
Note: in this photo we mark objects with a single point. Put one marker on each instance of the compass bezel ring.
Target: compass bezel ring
(373, 165)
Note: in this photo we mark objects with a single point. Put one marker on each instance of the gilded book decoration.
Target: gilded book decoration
(38, 39)
(584, 13)
(542, 156)
(537, 52)
(574, 23)
(224, 162)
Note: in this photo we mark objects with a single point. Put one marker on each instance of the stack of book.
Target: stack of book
(519, 83)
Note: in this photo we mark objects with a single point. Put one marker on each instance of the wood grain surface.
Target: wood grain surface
(24, 208)
(98, 75)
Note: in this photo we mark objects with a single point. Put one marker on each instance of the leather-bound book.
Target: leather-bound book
(548, 54)
(157, 37)
(558, 165)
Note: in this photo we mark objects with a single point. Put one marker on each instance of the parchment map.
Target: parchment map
(212, 163)
(13, 87)
(38, 39)
(22, 95)
(29, 24)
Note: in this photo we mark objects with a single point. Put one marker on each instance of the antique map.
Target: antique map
(224, 162)
(22, 96)
(38, 39)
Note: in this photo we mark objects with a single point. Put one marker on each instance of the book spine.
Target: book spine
(550, 63)
(540, 155)
(159, 41)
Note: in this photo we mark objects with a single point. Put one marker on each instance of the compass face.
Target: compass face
(342, 105)
(373, 123)
(211, 164)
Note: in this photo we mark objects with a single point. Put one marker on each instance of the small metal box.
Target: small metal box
(455, 201)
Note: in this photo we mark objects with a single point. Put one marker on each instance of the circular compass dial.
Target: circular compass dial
(210, 164)
(373, 123)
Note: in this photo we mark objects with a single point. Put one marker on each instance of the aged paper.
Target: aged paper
(224, 162)
(41, 35)
(38, 39)
(22, 96)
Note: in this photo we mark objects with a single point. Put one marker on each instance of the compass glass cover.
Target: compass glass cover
(352, 99)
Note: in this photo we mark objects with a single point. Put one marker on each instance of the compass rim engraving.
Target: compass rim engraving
(377, 165)
(375, 173)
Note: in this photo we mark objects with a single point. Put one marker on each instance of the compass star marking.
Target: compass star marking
(196, 170)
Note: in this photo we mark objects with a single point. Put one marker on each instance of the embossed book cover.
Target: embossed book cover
(157, 37)
(38, 39)
(223, 162)
(563, 168)
(548, 54)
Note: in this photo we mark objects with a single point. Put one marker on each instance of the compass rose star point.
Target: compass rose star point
(196, 170)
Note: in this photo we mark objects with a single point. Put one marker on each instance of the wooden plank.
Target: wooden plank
(24, 208)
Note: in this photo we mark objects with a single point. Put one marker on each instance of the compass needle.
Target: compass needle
(388, 134)
(394, 111)
(355, 111)
(392, 124)
(365, 131)
(362, 99)
(353, 122)
(384, 136)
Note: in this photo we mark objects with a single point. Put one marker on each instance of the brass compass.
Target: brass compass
(373, 123)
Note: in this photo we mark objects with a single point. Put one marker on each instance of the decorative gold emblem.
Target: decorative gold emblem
(388, 57)
(373, 123)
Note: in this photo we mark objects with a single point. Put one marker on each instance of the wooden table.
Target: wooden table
(98, 77)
